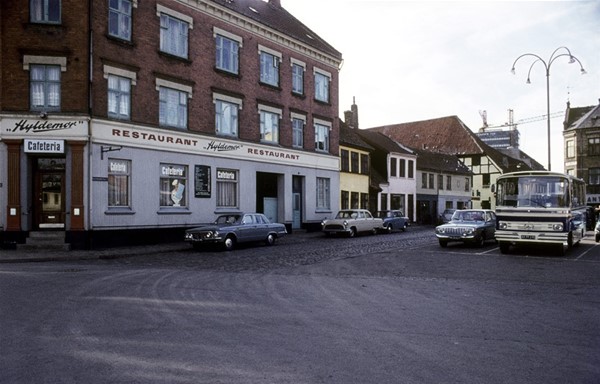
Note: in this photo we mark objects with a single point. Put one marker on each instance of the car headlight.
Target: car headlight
(345, 223)
(188, 236)
(557, 227)
(469, 231)
(503, 225)
(439, 230)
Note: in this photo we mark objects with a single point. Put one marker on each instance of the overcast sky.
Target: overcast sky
(408, 61)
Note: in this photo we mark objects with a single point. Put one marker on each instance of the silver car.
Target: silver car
(468, 226)
(351, 222)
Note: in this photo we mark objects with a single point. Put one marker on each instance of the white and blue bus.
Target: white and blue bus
(540, 207)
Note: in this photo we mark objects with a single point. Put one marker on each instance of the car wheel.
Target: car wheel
(443, 243)
(389, 228)
(352, 232)
(229, 243)
(270, 239)
(404, 227)
(481, 240)
(374, 231)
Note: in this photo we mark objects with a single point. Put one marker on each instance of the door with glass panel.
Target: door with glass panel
(49, 193)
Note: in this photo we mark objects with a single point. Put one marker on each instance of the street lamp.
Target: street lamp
(547, 64)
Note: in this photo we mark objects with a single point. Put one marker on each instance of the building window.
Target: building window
(45, 87)
(45, 11)
(298, 69)
(440, 182)
(227, 188)
(269, 66)
(323, 193)
(173, 103)
(345, 160)
(354, 162)
(364, 164)
(322, 79)
(570, 148)
(411, 170)
(269, 124)
(449, 183)
(402, 168)
(119, 19)
(383, 201)
(173, 180)
(393, 167)
(226, 117)
(345, 200)
(467, 184)
(424, 180)
(119, 185)
(227, 51)
(119, 97)
(297, 132)
(486, 180)
(364, 200)
(173, 32)
(594, 176)
(431, 181)
(322, 136)
(354, 200)
(594, 146)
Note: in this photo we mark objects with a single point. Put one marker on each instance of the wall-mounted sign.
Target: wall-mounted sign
(202, 181)
(44, 146)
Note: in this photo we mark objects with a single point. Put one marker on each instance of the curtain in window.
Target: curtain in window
(269, 124)
(37, 86)
(173, 108)
(226, 194)
(119, 96)
(173, 37)
(226, 118)
(118, 190)
(227, 54)
(119, 19)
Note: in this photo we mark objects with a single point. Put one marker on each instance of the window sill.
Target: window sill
(174, 211)
(175, 57)
(119, 211)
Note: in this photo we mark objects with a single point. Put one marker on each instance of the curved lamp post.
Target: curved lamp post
(547, 64)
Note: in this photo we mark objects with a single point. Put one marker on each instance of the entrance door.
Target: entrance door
(49, 193)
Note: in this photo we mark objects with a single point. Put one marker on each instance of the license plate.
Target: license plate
(528, 237)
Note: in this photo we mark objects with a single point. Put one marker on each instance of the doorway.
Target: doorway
(49, 193)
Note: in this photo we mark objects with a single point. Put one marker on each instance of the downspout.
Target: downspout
(88, 218)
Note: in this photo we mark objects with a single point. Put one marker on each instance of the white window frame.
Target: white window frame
(269, 124)
(174, 41)
(298, 124)
(322, 80)
(322, 129)
(172, 185)
(227, 119)
(116, 176)
(184, 93)
(298, 69)
(270, 61)
(226, 198)
(119, 97)
(323, 193)
(122, 17)
(227, 50)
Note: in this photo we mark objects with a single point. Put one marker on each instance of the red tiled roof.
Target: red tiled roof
(446, 135)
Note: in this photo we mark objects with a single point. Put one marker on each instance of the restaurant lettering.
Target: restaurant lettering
(276, 154)
(43, 126)
(153, 137)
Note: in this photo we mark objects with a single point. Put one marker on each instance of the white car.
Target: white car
(351, 222)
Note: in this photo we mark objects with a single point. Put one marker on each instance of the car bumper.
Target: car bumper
(464, 238)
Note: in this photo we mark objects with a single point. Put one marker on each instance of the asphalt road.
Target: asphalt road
(374, 309)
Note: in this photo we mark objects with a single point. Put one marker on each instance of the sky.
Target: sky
(406, 61)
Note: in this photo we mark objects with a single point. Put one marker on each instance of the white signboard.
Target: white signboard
(44, 146)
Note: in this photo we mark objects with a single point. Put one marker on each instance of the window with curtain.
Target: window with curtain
(119, 186)
(297, 133)
(269, 127)
(119, 97)
(227, 54)
(321, 137)
(269, 69)
(119, 19)
(173, 36)
(227, 188)
(45, 11)
(173, 182)
(173, 108)
(323, 193)
(45, 87)
(297, 79)
(321, 87)
(226, 118)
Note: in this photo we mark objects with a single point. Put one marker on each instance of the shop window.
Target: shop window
(119, 19)
(119, 183)
(173, 182)
(227, 188)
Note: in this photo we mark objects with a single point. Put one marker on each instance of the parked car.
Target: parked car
(468, 226)
(234, 228)
(446, 216)
(393, 220)
(352, 222)
(597, 232)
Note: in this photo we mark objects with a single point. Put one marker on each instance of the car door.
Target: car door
(247, 228)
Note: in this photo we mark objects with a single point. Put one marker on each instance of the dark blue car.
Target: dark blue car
(393, 220)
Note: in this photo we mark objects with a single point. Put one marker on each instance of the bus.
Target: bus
(540, 207)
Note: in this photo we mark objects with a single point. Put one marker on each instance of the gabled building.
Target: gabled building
(394, 170)
(582, 148)
(443, 182)
(449, 135)
(155, 116)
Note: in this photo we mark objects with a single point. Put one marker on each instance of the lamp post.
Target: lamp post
(547, 64)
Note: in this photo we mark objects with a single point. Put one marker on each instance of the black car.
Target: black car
(473, 226)
(231, 229)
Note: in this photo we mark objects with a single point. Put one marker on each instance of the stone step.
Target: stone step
(44, 241)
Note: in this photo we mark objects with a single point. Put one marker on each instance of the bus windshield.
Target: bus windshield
(533, 191)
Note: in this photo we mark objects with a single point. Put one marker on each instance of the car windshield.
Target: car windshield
(468, 216)
(384, 214)
(228, 219)
(347, 215)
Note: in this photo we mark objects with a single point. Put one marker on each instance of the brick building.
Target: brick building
(157, 115)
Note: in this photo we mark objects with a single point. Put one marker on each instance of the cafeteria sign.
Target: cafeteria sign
(44, 146)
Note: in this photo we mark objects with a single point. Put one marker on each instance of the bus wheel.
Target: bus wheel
(504, 247)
